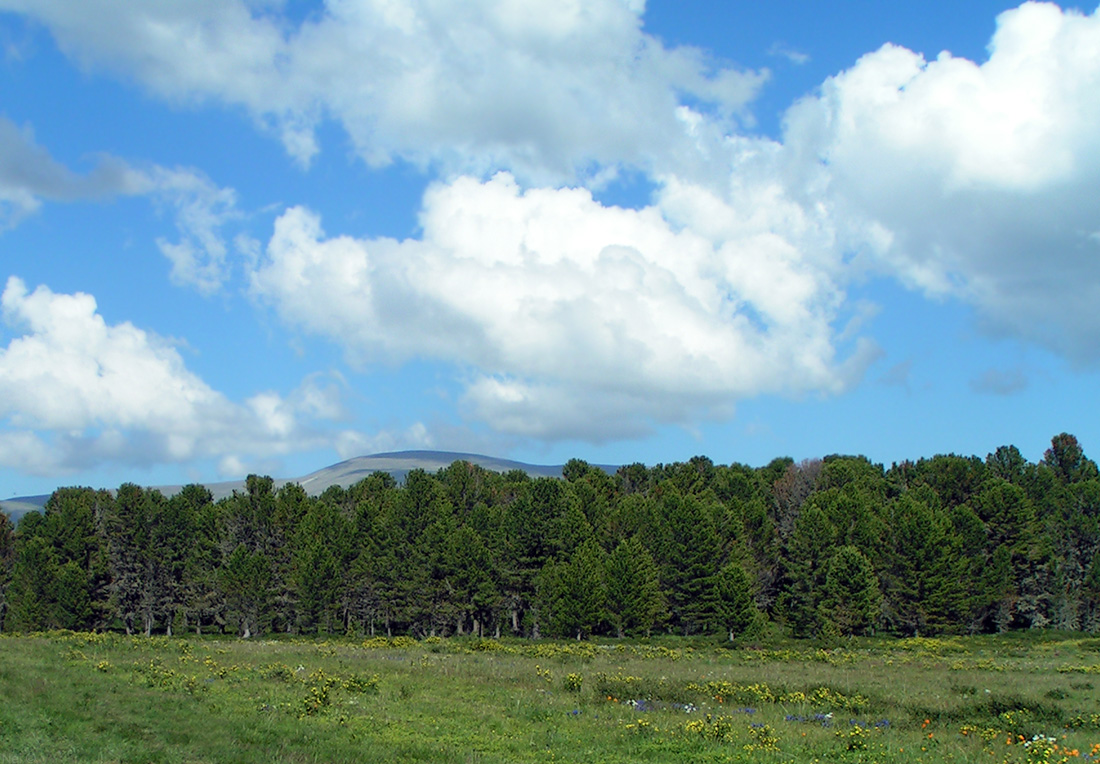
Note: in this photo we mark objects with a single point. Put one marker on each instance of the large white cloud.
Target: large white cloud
(76, 392)
(575, 319)
(964, 180)
(976, 181)
(545, 88)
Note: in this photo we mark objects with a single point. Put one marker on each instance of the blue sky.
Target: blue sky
(261, 236)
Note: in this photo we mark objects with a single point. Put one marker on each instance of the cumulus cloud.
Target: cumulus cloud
(975, 181)
(76, 392)
(545, 88)
(575, 319)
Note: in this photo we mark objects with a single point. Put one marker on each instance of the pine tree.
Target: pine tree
(320, 561)
(852, 598)
(34, 576)
(572, 594)
(690, 555)
(126, 527)
(7, 561)
(734, 612)
(634, 599)
(804, 563)
(923, 574)
(245, 580)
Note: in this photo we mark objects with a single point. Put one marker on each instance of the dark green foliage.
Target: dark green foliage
(852, 598)
(1067, 460)
(634, 598)
(734, 610)
(926, 570)
(245, 580)
(808, 553)
(688, 552)
(7, 560)
(572, 594)
(949, 544)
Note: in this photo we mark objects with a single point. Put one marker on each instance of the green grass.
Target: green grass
(106, 698)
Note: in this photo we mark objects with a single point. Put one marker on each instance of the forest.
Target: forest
(819, 548)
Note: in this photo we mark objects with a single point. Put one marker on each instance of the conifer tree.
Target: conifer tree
(734, 611)
(804, 563)
(634, 599)
(852, 598)
(7, 561)
(690, 555)
(33, 586)
(127, 529)
(572, 594)
(923, 574)
(245, 579)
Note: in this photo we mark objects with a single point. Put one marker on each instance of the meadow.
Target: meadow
(83, 697)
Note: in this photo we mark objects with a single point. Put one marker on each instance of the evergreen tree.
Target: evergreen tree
(469, 573)
(634, 599)
(126, 526)
(34, 580)
(690, 555)
(1013, 587)
(735, 613)
(572, 594)
(7, 561)
(852, 598)
(804, 564)
(73, 524)
(923, 575)
(245, 579)
(1067, 460)
(322, 557)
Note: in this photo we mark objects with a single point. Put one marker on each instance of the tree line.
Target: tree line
(831, 546)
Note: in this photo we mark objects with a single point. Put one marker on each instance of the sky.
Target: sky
(264, 236)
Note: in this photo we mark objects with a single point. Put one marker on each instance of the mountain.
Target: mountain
(397, 463)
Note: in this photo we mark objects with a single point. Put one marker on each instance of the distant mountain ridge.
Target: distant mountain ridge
(344, 474)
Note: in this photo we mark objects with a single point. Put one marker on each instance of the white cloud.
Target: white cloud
(575, 319)
(202, 209)
(76, 391)
(545, 88)
(565, 318)
(29, 175)
(796, 57)
(976, 181)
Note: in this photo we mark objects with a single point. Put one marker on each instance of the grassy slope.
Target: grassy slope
(95, 698)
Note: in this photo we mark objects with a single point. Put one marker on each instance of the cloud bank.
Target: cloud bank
(544, 88)
(573, 319)
(565, 318)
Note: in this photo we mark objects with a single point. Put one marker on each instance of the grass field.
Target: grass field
(68, 697)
